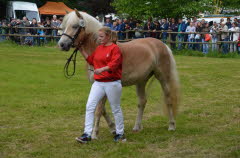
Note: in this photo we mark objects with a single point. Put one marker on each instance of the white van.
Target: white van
(19, 9)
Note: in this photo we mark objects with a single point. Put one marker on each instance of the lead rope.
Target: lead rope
(72, 59)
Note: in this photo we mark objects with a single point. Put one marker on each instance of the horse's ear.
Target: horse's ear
(66, 11)
(78, 14)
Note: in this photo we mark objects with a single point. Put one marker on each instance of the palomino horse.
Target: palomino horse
(142, 58)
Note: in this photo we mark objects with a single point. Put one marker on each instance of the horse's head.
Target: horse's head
(73, 27)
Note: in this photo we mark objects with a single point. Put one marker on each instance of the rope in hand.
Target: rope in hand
(72, 59)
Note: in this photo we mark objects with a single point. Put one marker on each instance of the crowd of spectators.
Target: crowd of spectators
(213, 31)
(200, 32)
(14, 26)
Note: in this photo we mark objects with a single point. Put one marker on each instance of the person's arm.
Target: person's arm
(116, 60)
(84, 54)
(88, 58)
(102, 69)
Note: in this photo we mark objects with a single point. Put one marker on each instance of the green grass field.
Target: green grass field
(41, 112)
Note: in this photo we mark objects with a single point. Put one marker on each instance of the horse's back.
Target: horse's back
(140, 57)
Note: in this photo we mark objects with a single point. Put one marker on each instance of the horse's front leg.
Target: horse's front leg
(98, 115)
(101, 110)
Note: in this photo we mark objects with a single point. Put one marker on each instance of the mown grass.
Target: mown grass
(41, 112)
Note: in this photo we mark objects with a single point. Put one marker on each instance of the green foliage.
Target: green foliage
(230, 4)
(164, 8)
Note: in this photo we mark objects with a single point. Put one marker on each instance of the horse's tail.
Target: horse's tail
(173, 85)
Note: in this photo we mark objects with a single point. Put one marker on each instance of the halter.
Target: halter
(75, 36)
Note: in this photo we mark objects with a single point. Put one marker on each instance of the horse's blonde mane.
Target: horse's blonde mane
(92, 25)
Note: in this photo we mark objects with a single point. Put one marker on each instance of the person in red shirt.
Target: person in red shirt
(107, 63)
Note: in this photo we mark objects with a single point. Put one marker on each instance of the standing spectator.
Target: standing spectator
(228, 23)
(204, 38)
(138, 30)
(188, 22)
(132, 25)
(186, 35)
(191, 28)
(0, 30)
(18, 30)
(114, 26)
(238, 44)
(224, 37)
(41, 40)
(54, 25)
(128, 28)
(60, 32)
(214, 31)
(4, 30)
(108, 22)
(48, 31)
(174, 28)
(149, 26)
(120, 29)
(235, 20)
(221, 20)
(164, 27)
(198, 36)
(12, 26)
(157, 27)
(195, 21)
(34, 30)
(181, 29)
(25, 23)
(203, 22)
(234, 37)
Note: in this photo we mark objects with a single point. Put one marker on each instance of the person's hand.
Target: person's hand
(98, 71)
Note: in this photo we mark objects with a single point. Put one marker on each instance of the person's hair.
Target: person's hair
(110, 33)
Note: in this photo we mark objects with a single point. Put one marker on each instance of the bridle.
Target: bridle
(75, 36)
(74, 54)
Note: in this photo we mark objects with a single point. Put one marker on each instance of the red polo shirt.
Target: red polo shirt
(107, 56)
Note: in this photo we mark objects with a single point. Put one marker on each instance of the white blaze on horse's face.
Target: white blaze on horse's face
(71, 24)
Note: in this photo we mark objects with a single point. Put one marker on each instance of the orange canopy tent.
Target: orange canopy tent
(54, 8)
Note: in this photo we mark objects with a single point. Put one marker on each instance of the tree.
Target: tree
(96, 7)
(164, 8)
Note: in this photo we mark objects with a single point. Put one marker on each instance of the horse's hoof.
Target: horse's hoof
(94, 137)
(172, 127)
(137, 129)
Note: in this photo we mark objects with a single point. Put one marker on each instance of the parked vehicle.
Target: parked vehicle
(19, 9)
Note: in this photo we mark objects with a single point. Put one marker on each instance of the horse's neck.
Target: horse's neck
(89, 46)
(90, 43)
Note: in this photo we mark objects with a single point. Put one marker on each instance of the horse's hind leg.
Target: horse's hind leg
(141, 105)
(169, 99)
(101, 110)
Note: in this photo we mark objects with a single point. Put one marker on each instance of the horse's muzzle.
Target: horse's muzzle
(65, 46)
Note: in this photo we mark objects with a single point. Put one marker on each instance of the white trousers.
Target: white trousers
(113, 91)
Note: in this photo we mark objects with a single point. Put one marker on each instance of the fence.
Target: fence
(168, 40)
